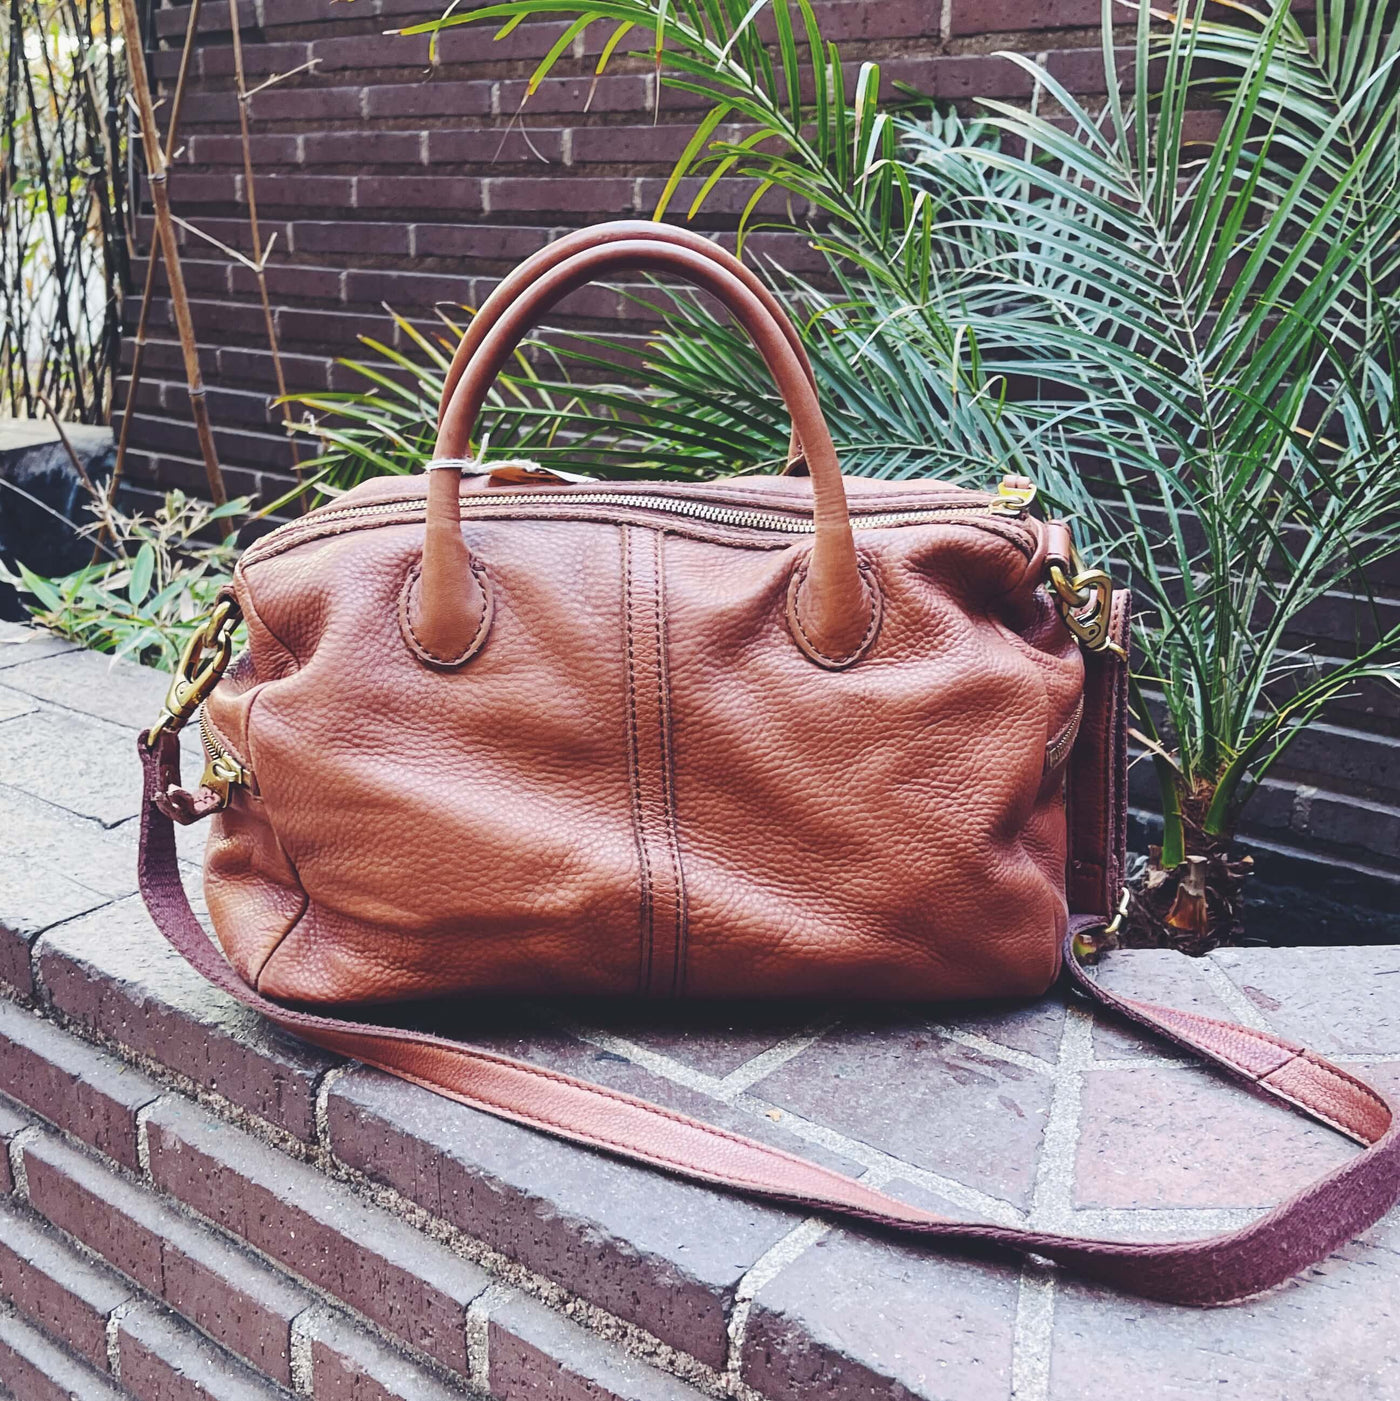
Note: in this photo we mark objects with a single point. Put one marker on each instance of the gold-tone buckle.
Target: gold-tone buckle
(1014, 495)
(1083, 949)
(202, 663)
(1085, 602)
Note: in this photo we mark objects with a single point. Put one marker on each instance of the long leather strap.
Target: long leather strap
(1297, 1233)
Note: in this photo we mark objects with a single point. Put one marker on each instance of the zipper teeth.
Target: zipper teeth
(212, 749)
(696, 510)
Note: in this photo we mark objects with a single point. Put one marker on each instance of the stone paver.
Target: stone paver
(1024, 1114)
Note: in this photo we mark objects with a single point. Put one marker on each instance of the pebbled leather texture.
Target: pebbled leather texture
(640, 766)
(605, 738)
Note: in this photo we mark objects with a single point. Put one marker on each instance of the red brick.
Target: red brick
(228, 150)
(302, 192)
(55, 1286)
(396, 148)
(254, 367)
(288, 103)
(497, 146)
(213, 19)
(1155, 1137)
(1332, 999)
(372, 1261)
(348, 1364)
(259, 60)
(434, 98)
(611, 145)
(340, 236)
(533, 1351)
(190, 187)
(1004, 16)
(542, 194)
(664, 1254)
(854, 1318)
(239, 1301)
(507, 244)
(1155, 975)
(444, 194)
(110, 972)
(74, 1085)
(287, 281)
(407, 291)
(922, 1083)
(1329, 1335)
(36, 1369)
(616, 92)
(164, 1359)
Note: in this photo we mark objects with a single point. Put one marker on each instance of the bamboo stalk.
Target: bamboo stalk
(143, 321)
(160, 197)
(260, 272)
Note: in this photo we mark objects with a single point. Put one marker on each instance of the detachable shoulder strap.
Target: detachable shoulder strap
(1298, 1232)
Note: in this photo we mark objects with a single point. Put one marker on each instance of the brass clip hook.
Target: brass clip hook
(202, 663)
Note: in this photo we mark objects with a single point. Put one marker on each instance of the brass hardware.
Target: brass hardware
(198, 672)
(1086, 950)
(1014, 495)
(1085, 601)
(221, 770)
(1116, 923)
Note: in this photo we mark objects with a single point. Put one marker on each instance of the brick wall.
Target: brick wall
(384, 182)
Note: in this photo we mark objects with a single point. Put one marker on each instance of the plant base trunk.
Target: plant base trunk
(1194, 907)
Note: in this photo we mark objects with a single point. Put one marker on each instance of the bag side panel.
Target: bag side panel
(453, 830)
(892, 830)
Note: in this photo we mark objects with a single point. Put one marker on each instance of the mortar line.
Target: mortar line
(143, 1138)
(302, 1332)
(759, 1067)
(1241, 1008)
(763, 1271)
(478, 1333)
(18, 1171)
(1051, 1204)
(1027, 1060)
(1145, 1063)
(1168, 1220)
(886, 1165)
(321, 1105)
(660, 1064)
(111, 1331)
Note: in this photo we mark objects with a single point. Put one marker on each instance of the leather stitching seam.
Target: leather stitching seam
(869, 579)
(1146, 1011)
(666, 767)
(644, 909)
(417, 646)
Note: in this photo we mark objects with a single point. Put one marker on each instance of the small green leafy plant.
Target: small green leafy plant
(151, 594)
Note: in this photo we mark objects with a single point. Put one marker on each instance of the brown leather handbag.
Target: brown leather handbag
(499, 732)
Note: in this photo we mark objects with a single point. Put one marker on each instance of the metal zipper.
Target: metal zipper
(297, 533)
(221, 769)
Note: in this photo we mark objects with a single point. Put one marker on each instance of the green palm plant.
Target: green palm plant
(1189, 345)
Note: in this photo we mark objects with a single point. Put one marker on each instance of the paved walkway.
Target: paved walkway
(328, 1231)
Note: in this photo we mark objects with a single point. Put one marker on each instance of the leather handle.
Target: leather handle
(1297, 1233)
(834, 605)
(519, 279)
